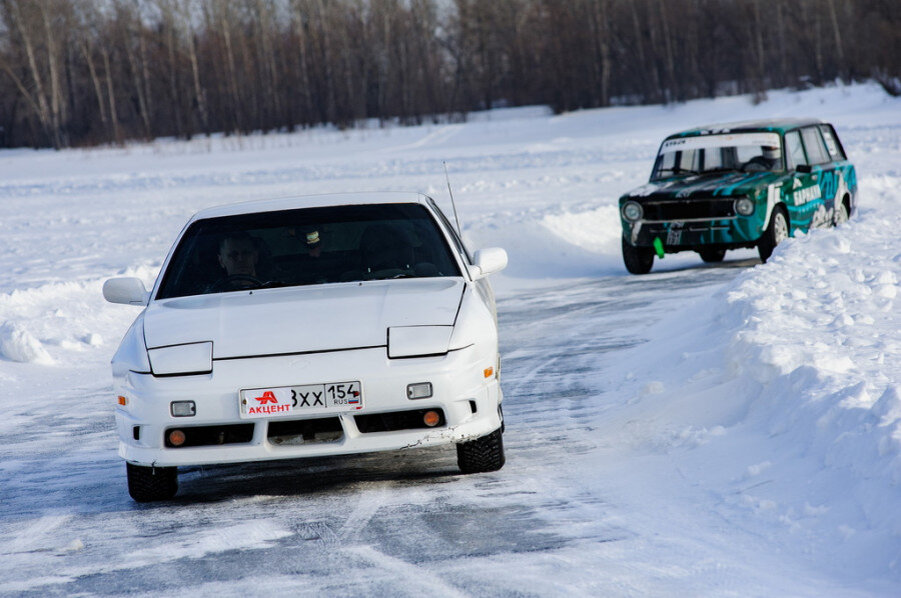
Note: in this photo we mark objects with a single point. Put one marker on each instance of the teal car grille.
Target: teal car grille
(689, 209)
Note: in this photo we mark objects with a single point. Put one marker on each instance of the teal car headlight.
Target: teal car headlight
(744, 206)
(632, 211)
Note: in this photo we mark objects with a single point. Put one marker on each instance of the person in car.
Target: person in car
(238, 256)
(770, 160)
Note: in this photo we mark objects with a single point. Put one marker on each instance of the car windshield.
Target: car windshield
(307, 246)
(745, 152)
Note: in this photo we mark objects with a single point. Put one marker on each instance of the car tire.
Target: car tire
(712, 256)
(841, 214)
(775, 233)
(482, 454)
(638, 260)
(148, 484)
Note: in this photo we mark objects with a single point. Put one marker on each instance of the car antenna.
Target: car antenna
(453, 204)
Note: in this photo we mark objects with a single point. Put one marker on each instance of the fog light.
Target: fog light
(176, 437)
(431, 418)
(744, 206)
(420, 390)
(632, 211)
(182, 408)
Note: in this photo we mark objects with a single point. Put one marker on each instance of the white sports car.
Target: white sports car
(309, 326)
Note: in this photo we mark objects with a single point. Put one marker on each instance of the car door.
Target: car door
(844, 181)
(801, 192)
(823, 172)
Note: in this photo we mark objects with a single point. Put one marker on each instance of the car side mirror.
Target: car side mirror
(129, 291)
(804, 168)
(488, 261)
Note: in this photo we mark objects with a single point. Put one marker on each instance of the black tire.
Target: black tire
(775, 233)
(482, 454)
(712, 256)
(638, 260)
(841, 214)
(148, 484)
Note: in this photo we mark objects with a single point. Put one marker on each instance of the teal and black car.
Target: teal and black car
(749, 184)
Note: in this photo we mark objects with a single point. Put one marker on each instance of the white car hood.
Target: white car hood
(301, 319)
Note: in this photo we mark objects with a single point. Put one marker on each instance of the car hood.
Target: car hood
(722, 184)
(302, 319)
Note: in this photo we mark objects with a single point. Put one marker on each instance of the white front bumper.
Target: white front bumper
(457, 380)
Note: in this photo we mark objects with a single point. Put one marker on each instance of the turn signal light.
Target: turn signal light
(182, 408)
(488, 372)
(420, 390)
(176, 437)
(431, 418)
(123, 401)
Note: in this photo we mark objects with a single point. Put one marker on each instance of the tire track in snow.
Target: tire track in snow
(368, 504)
(424, 582)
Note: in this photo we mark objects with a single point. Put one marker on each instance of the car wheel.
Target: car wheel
(147, 484)
(482, 454)
(841, 215)
(775, 233)
(712, 256)
(638, 260)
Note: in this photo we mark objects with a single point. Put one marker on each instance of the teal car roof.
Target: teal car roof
(777, 125)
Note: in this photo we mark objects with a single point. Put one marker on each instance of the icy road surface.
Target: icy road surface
(700, 431)
(399, 524)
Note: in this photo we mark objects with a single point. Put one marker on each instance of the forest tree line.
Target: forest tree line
(84, 72)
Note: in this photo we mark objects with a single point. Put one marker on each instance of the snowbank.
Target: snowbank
(780, 395)
(17, 344)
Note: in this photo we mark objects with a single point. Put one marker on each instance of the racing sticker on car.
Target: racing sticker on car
(801, 195)
(291, 400)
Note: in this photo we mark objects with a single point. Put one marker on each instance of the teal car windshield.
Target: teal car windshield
(745, 152)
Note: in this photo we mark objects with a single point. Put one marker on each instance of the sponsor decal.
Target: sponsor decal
(720, 138)
(805, 194)
(264, 406)
(822, 218)
(268, 397)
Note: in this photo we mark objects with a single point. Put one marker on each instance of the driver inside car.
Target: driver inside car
(238, 256)
(771, 159)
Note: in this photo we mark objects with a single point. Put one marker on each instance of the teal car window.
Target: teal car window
(700, 154)
(794, 150)
(813, 143)
(835, 150)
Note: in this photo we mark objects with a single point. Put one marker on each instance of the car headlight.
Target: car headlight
(191, 358)
(632, 211)
(744, 206)
(418, 341)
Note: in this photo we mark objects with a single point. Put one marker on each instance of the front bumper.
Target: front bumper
(681, 235)
(468, 401)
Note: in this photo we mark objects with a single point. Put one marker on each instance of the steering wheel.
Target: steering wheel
(756, 164)
(235, 280)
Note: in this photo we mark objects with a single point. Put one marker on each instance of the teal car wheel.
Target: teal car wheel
(712, 256)
(841, 215)
(638, 260)
(775, 233)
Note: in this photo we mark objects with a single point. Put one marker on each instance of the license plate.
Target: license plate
(290, 400)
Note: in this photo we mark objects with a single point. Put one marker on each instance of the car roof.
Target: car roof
(778, 125)
(310, 201)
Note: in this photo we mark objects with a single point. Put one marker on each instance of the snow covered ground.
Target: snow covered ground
(731, 430)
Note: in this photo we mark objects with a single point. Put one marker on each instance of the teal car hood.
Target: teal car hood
(718, 184)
